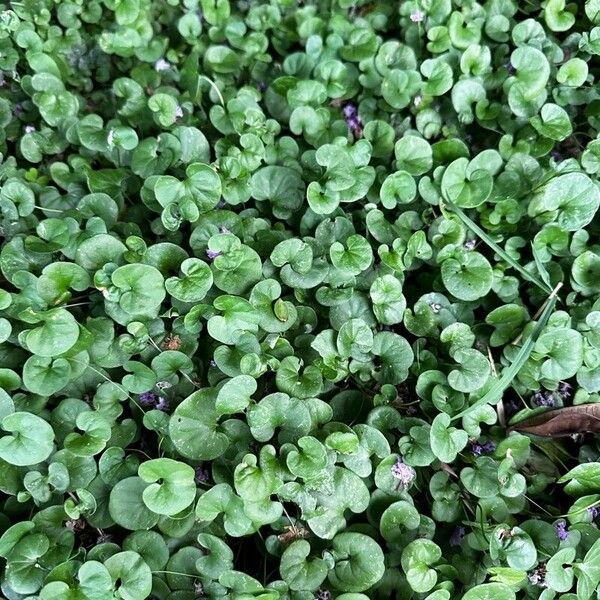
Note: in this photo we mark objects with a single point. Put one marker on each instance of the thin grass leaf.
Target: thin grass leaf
(494, 394)
(484, 237)
(541, 267)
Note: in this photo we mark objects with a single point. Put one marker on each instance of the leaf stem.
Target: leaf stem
(214, 87)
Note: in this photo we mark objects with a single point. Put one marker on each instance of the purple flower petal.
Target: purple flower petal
(457, 535)
(147, 399)
(404, 473)
(561, 530)
(162, 404)
(350, 110)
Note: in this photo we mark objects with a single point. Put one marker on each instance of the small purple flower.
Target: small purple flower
(162, 65)
(510, 68)
(352, 119)
(201, 475)
(29, 128)
(323, 595)
(457, 535)
(564, 390)
(162, 404)
(469, 244)
(543, 398)
(212, 363)
(417, 16)
(593, 511)
(556, 155)
(212, 254)
(147, 399)
(511, 406)
(354, 123)
(262, 86)
(404, 473)
(489, 447)
(221, 203)
(478, 449)
(417, 100)
(18, 109)
(561, 530)
(224, 230)
(538, 576)
(178, 112)
(350, 111)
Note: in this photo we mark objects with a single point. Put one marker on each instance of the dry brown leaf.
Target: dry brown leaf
(562, 422)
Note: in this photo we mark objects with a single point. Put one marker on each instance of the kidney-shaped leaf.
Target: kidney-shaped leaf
(31, 439)
(175, 489)
(359, 562)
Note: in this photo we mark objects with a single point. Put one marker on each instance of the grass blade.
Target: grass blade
(485, 238)
(494, 394)
(541, 268)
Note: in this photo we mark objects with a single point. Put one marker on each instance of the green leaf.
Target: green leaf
(131, 576)
(299, 572)
(172, 486)
(194, 428)
(127, 507)
(417, 558)
(490, 591)
(23, 574)
(282, 186)
(446, 442)
(582, 479)
(398, 188)
(553, 122)
(467, 277)
(388, 300)
(57, 334)
(141, 288)
(588, 572)
(217, 559)
(466, 184)
(30, 440)
(359, 562)
(221, 499)
(97, 432)
(571, 199)
(398, 518)
(413, 154)
(235, 395)
(562, 351)
(195, 283)
(354, 258)
(516, 548)
(558, 577)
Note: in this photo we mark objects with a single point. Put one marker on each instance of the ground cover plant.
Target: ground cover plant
(299, 299)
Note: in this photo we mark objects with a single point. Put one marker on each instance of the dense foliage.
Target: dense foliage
(283, 286)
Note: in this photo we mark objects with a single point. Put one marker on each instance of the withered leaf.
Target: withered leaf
(562, 422)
